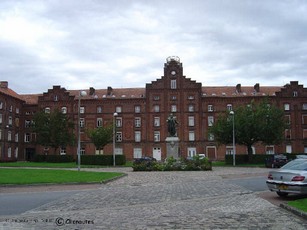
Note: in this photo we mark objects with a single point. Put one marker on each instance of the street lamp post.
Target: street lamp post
(232, 113)
(81, 94)
(114, 136)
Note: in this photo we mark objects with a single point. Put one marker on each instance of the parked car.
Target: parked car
(276, 161)
(144, 159)
(289, 179)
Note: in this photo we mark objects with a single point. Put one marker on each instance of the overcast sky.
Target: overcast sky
(120, 43)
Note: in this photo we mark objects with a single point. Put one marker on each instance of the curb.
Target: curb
(294, 210)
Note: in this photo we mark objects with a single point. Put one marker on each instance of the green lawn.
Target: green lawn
(44, 176)
(300, 204)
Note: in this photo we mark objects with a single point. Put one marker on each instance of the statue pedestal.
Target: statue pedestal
(172, 147)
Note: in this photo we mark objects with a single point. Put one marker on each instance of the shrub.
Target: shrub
(172, 164)
(105, 160)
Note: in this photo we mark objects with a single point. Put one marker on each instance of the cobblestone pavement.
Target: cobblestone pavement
(162, 200)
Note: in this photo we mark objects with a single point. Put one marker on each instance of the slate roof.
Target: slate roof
(128, 93)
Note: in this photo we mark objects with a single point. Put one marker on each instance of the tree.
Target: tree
(53, 129)
(254, 123)
(101, 136)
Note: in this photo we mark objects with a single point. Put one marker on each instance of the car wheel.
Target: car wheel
(282, 194)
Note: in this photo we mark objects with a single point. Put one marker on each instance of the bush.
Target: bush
(53, 158)
(172, 164)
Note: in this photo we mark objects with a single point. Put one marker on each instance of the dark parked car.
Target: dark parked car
(144, 159)
(276, 161)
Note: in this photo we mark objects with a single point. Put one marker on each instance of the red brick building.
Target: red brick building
(142, 113)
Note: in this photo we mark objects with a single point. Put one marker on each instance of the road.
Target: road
(226, 198)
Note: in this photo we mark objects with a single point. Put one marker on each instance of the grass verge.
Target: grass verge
(300, 204)
(44, 176)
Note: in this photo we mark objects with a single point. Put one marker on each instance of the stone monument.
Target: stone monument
(172, 141)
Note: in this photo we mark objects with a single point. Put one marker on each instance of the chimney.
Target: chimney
(4, 84)
(257, 88)
(238, 88)
(109, 92)
(92, 91)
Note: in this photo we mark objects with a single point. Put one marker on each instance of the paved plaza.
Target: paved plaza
(162, 200)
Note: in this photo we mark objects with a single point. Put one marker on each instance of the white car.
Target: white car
(289, 179)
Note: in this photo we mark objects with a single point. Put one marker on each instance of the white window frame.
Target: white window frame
(99, 109)
(173, 108)
(286, 106)
(137, 136)
(173, 84)
(64, 110)
(210, 108)
(191, 121)
(118, 109)
(119, 137)
(99, 122)
(137, 109)
(156, 121)
(118, 122)
(210, 120)
(156, 136)
(157, 108)
(82, 123)
(191, 108)
(82, 109)
(47, 110)
(137, 122)
(191, 136)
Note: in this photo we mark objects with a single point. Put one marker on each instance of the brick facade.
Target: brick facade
(141, 127)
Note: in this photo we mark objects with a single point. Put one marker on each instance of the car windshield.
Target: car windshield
(297, 164)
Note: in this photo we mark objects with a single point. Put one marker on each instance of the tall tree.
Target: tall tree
(53, 129)
(253, 123)
(101, 136)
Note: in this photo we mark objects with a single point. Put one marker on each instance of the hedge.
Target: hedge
(105, 160)
(53, 158)
(255, 159)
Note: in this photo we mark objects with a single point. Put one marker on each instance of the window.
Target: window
(173, 108)
(119, 137)
(137, 136)
(156, 136)
(191, 108)
(156, 121)
(9, 152)
(173, 84)
(137, 122)
(17, 121)
(82, 151)
(229, 150)
(27, 123)
(99, 109)
(9, 135)
(118, 122)
(156, 98)
(11, 108)
(156, 108)
(288, 134)
(82, 109)
(295, 94)
(210, 120)
(137, 153)
(304, 119)
(288, 149)
(210, 108)
(305, 134)
(191, 121)
(99, 122)
(0, 118)
(137, 109)
(210, 137)
(118, 109)
(286, 107)
(63, 151)
(10, 120)
(47, 110)
(305, 106)
(1, 105)
(27, 137)
(191, 97)
(288, 119)
(173, 98)
(55, 98)
(191, 136)
(229, 107)
(64, 110)
(82, 122)
(16, 137)
(17, 110)
(16, 152)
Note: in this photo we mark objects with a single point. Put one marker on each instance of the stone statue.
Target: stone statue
(171, 125)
